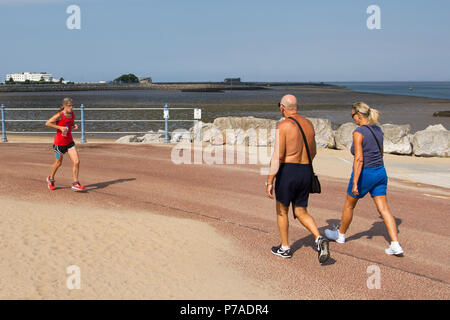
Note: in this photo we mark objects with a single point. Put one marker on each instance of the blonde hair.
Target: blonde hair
(372, 114)
(66, 101)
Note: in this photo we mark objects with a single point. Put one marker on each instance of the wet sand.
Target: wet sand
(333, 103)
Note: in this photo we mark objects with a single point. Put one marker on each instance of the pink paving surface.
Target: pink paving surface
(232, 199)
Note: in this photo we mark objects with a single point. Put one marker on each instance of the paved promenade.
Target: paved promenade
(119, 223)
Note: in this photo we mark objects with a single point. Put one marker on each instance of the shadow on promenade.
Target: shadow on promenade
(102, 185)
(99, 185)
(378, 229)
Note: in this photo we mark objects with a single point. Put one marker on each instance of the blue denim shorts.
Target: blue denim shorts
(372, 180)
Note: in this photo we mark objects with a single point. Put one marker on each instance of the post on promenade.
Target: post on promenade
(197, 119)
(83, 138)
(4, 139)
(166, 120)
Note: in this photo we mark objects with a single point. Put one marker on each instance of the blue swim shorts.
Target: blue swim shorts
(372, 180)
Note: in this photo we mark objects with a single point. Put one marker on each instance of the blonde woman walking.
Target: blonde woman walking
(368, 176)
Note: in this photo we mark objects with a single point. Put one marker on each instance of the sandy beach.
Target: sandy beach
(149, 229)
(122, 254)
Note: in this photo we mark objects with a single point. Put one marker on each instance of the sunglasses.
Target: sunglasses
(353, 115)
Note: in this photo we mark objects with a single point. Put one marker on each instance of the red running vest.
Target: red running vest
(59, 139)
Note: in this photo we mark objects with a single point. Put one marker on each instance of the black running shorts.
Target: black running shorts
(293, 183)
(63, 149)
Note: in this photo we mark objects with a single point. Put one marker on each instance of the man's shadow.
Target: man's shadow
(309, 242)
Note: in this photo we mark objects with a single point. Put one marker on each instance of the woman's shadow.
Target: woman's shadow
(378, 229)
(99, 185)
(102, 185)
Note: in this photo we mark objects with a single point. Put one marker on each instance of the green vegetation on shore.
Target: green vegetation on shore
(127, 78)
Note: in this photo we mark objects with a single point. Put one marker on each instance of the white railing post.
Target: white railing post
(197, 119)
(166, 121)
(83, 138)
(4, 139)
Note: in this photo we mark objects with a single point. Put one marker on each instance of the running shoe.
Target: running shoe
(51, 183)
(394, 249)
(278, 251)
(323, 249)
(333, 234)
(77, 186)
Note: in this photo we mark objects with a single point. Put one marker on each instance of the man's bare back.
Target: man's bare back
(294, 150)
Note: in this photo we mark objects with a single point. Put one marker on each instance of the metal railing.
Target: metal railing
(166, 110)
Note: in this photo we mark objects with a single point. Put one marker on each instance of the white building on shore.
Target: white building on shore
(30, 76)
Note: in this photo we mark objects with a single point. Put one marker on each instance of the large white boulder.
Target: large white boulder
(153, 137)
(218, 138)
(127, 139)
(250, 137)
(431, 142)
(244, 123)
(255, 131)
(210, 133)
(344, 135)
(180, 135)
(201, 131)
(324, 133)
(248, 131)
(397, 139)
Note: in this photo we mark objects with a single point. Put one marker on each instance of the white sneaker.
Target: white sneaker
(394, 249)
(334, 235)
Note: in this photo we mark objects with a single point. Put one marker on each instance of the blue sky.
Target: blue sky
(208, 40)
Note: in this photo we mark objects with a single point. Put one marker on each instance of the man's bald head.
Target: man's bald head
(289, 102)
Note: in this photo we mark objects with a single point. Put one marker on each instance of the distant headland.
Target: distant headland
(147, 84)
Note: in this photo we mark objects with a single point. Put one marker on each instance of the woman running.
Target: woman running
(368, 176)
(63, 122)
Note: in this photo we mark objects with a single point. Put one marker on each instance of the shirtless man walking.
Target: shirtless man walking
(292, 173)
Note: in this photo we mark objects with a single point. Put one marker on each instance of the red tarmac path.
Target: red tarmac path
(232, 199)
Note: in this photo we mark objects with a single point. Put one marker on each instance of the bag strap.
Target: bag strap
(306, 142)
(376, 140)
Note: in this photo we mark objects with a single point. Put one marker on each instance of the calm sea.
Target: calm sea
(418, 89)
